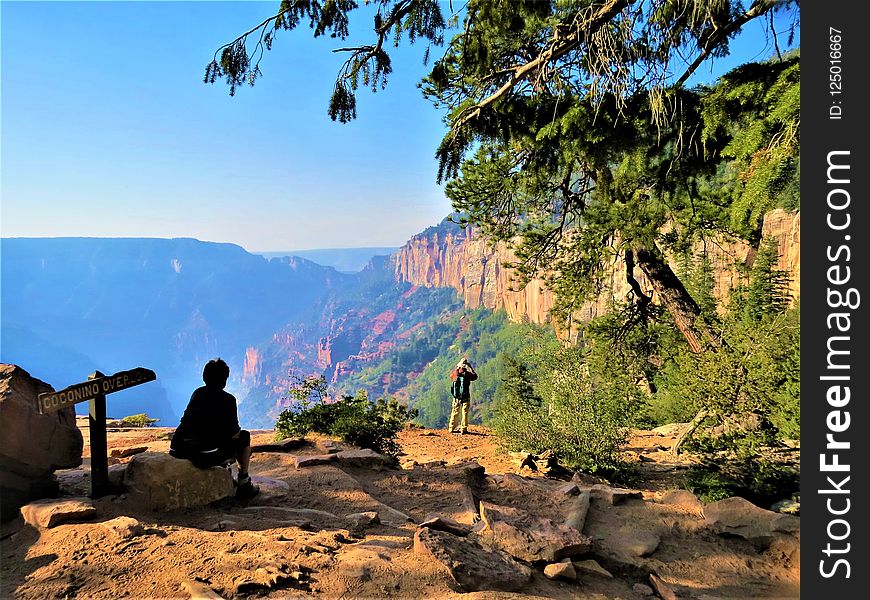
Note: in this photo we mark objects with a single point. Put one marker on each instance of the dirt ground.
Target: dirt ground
(296, 545)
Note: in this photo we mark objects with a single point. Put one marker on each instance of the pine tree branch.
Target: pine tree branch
(558, 47)
(758, 8)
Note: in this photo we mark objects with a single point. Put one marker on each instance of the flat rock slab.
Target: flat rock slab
(368, 459)
(45, 514)
(560, 570)
(528, 537)
(578, 510)
(591, 567)
(611, 495)
(362, 520)
(447, 525)
(270, 489)
(471, 469)
(469, 565)
(738, 516)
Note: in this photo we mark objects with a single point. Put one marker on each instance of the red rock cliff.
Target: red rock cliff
(466, 262)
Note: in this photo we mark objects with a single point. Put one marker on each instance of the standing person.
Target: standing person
(209, 433)
(462, 375)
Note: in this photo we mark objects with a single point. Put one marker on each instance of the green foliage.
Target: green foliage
(759, 480)
(140, 420)
(755, 370)
(767, 294)
(521, 421)
(481, 335)
(574, 401)
(710, 485)
(354, 419)
(309, 389)
(758, 108)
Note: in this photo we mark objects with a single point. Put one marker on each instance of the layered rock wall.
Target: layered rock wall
(461, 259)
(466, 262)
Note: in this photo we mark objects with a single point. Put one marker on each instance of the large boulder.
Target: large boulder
(32, 446)
(470, 566)
(528, 537)
(739, 517)
(157, 481)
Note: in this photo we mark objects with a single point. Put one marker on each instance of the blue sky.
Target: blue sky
(108, 131)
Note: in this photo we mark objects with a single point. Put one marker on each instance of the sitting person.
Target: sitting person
(209, 433)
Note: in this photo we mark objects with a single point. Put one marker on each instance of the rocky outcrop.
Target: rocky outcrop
(45, 514)
(32, 446)
(528, 537)
(470, 566)
(448, 256)
(739, 517)
(157, 481)
(461, 259)
(252, 366)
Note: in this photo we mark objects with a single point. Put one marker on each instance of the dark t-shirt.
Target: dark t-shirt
(209, 421)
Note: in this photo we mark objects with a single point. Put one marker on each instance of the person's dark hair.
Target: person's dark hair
(216, 372)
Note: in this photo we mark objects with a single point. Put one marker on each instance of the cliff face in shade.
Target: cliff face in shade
(449, 256)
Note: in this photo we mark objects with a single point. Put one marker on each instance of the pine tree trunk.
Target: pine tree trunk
(674, 297)
(693, 425)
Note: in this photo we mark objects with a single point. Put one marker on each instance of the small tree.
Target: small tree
(562, 405)
(521, 421)
(140, 420)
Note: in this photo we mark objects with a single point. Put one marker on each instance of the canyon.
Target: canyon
(75, 305)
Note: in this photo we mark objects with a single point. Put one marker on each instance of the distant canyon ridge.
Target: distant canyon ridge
(71, 306)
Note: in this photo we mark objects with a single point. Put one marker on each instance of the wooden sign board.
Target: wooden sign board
(88, 390)
(94, 390)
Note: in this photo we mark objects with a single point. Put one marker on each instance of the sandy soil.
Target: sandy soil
(294, 546)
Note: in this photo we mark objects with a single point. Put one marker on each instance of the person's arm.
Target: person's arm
(472, 375)
(233, 428)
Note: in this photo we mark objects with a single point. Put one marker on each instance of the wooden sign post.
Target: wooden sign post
(94, 390)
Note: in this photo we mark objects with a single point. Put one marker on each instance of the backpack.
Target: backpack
(459, 388)
(456, 388)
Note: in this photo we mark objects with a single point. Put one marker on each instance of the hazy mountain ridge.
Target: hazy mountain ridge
(74, 305)
(344, 260)
(168, 305)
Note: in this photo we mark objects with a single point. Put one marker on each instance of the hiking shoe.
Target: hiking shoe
(247, 490)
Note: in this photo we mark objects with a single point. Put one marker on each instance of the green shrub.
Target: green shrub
(354, 419)
(709, 485)
(140, 420)
(759, 480)
(558, 403)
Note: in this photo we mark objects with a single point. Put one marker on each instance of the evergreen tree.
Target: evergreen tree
(767, 293)
(584, 145)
